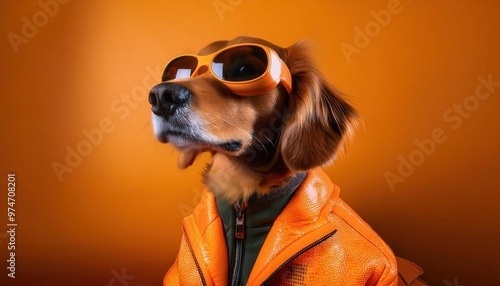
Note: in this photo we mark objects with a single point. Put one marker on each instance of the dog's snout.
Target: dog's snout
(165, 98)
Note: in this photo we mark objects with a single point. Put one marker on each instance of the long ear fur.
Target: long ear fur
(318, 119)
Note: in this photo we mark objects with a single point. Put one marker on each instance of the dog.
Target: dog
(269, 215)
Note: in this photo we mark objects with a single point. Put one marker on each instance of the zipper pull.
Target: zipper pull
(239, 231)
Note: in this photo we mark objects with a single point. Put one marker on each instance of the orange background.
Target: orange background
(119, 210)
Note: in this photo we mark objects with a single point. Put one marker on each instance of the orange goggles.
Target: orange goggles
(246, 69)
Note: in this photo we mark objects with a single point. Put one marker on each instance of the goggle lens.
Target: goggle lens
(240, 63)
(181, 67)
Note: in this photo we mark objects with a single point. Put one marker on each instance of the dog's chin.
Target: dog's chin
(183, 141)
(191, 146)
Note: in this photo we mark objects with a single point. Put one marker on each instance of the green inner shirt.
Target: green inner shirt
(260, 214)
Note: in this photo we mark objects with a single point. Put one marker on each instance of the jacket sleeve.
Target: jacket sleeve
(184, 271)
(389, 276)
(172, 276)
(364, 250)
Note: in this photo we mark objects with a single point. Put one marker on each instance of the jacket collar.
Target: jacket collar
(261, 211)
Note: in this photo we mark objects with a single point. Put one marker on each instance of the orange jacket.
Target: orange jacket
(316, 240)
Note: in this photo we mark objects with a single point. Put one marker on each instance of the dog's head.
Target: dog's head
(294, 124)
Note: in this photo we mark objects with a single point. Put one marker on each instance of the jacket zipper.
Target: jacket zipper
(298, 254)
(203, 281)
(239, 235)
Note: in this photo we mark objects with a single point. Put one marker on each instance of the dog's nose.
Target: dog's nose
(165, 98)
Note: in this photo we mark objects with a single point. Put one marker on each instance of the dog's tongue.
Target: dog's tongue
(186, 158)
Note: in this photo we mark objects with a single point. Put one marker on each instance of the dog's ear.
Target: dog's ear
(317, 118)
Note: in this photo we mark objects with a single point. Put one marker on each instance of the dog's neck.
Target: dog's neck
(234, 181)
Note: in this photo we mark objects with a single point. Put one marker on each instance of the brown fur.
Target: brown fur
(280, 133)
